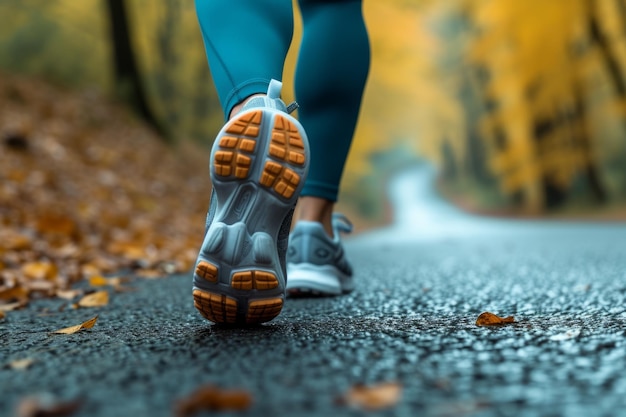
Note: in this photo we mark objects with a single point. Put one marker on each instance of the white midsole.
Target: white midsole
(323, 278)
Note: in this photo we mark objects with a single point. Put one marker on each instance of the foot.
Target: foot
(259, 162)
(316, 263)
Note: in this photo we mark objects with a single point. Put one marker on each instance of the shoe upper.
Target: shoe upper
(309, 243)
(271, 100)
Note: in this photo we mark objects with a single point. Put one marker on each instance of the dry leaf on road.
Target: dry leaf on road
(98, 281)
(40, 270)
(210, 397)
(96, 299)
(14, 293)
(12, 306)
(68, 294)
(21, 364)
(73, 329)
(375, 397)
(490, 319)
(43, 405)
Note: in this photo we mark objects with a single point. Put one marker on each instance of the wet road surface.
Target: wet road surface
(421, 284)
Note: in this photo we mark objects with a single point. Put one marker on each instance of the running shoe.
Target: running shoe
(317, 263)
(258, 166)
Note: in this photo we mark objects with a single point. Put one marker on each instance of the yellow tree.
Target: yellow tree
(535, 66)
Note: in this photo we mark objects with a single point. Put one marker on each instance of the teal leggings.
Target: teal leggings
(246, 43)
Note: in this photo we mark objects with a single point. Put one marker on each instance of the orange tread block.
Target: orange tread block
(246, 124)
(286, 144)
(228, 142)
(207, 271)
(260, 311)
(247, 145)
(283, 180)
(259, 280)
(215, 307)
(228, 161)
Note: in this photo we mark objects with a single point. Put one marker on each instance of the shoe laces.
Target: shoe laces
(273, 92)
(341, 224)
(271, 99)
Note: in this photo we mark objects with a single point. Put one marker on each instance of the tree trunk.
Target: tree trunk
(594, 179)
(610, 60)
(621, 7)
(128, 79)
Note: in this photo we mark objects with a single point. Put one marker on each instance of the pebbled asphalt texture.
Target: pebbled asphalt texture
(411, 320)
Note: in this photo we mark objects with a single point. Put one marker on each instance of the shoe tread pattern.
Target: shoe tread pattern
(263, 149)
(286, 147)
(233, 159)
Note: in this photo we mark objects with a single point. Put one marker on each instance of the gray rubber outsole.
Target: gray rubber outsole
(259, 162)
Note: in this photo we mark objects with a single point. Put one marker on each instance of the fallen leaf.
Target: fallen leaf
(68, 294)
(96, 299)
(90, 269)
(40, 270)
(150, 273)
(14, 293)
(44, 405)
(73, 329)
(2, 314)
(490, 319)
(12, 306)
(21, 364)
(40, 286)
(116, 281)
(55, 223)
(210, 397)
(98, 281)
(15, 241)
(375, 397)
(130, 250)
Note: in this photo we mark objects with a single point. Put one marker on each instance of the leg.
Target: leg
(332, 69)
(259, 161)
(246, 45)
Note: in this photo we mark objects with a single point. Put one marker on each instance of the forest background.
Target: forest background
(521, 104)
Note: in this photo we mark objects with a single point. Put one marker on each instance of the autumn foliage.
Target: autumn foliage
(85, 190)
(539, 89)
(519, 102)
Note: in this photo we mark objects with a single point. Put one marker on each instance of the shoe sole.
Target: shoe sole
(320, 280)
(259, 162)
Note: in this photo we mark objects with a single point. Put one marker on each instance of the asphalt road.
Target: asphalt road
(421, 284)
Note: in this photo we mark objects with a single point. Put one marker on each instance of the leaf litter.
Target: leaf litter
(90, 193)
